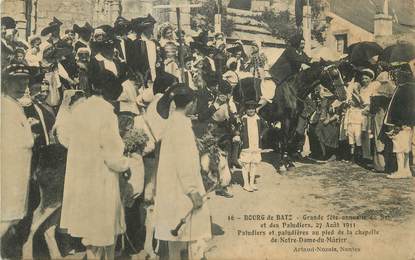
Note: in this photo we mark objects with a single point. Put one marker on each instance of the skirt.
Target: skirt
(249, 156)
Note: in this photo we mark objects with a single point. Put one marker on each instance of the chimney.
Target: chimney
(307, 26)
(383, 21)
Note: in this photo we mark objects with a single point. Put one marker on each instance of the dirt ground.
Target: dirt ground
(385, 228)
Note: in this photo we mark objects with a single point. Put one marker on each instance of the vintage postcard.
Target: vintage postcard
(207, 129)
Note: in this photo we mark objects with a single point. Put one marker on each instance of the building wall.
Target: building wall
(17, 10)
(340, 26)
(68, 12)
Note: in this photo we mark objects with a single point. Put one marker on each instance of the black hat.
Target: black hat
(251, 104)
(235, 49)
(224, 87)
(8, 22)
(86, 29)
(109, 84)
(140, 23)
(16, 70)
(122, 25)
(163, 81)
(402, 53)
(53, 26)
(179, 93)
(109, 31)
(202, 38)
(20, 50)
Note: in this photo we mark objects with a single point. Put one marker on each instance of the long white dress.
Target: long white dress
(178, 175)
(16, 154)
(92, 206)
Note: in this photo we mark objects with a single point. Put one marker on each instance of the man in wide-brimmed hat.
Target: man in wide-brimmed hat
(17, 140)
(53, 29)
(84, 34)
(8, 27)
(122, 27)
(143, 55)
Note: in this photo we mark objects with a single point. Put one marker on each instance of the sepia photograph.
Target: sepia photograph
(207, 129)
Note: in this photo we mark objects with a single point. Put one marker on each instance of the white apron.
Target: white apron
(16, 155)
(91, 207)
(179, 174)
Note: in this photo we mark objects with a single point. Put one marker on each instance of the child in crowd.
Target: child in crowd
(170, 62)
(356, 121)
(252, 130)
(34, 55)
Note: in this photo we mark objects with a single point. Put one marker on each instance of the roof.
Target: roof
(249, 29)
(362, 12)
(240, 4)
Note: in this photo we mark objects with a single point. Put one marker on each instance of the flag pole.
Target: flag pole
(181, 58)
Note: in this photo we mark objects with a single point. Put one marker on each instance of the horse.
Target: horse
(289, 101)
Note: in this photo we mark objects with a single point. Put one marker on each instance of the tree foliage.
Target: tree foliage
(282, 24)
(204, 17)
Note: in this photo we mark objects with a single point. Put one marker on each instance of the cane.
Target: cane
(175, 231)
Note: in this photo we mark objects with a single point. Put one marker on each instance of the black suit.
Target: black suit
(118, 46)
(137, 57)
(7, 54)
(288, 64)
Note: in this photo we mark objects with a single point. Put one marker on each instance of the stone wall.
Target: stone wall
(69, 12)
(96, 12)
(17, 10)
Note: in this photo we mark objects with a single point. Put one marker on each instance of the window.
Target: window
(341, 43)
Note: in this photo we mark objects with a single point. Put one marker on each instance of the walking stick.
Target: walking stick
(175, 231)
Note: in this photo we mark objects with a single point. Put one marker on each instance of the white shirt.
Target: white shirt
(253, 134)
(151, 54)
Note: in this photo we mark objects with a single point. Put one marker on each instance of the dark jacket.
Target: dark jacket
(137, 57)
(402, 107)
(288, 64)
(46, 121)
(205, 97)
(245, 133)
(127, 45)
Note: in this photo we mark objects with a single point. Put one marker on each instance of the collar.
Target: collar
(144, 38)
(256, 117)
(100, 57)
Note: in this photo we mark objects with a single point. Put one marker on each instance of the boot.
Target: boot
(223, 191)
(358, 153)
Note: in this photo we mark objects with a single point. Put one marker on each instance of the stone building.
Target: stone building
(33, 15)
(383, 21)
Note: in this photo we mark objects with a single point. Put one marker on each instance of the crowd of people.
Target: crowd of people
(124, 132)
